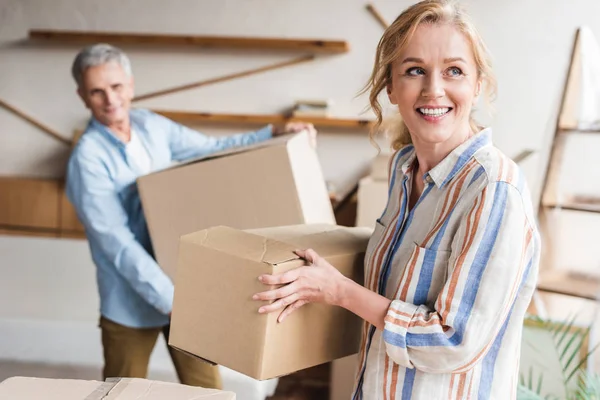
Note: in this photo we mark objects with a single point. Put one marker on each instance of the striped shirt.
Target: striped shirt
(460, 269)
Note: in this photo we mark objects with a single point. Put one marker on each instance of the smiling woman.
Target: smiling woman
(452, 264)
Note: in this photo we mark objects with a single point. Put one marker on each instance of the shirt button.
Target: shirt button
(428, 179)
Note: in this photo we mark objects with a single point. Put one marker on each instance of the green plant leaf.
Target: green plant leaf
(524, 393)
(583, 361)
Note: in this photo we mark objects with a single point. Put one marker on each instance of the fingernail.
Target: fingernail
(255, 297)
(261, 310)
(260, 278)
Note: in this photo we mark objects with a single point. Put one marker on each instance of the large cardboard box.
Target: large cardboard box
(20, 388)
(372, 199)
(275, 183)
(215, 318)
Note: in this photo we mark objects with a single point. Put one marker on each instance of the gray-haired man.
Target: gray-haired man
(118, 146)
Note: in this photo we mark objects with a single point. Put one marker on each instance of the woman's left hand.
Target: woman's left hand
(319, 282)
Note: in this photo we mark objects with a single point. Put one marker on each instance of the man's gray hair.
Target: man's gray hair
(98, 54)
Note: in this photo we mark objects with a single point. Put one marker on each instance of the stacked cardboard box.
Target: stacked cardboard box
(373, 192)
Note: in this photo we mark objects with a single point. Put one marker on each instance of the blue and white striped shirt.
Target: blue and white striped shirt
(460, 269)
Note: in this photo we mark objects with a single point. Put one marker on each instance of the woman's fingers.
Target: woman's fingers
(290, 309)
(276, 293)
(279, 304)
(309, 255)
(281, 279)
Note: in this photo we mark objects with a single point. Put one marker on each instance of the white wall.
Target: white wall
(43, 281)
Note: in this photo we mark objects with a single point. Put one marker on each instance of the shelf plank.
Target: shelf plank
(576, 203)
(377, 15)
(29, 203)
(263, 119)
(230, 42)
(26, 117)
(570, 284)
(574, 131)
(29, 232)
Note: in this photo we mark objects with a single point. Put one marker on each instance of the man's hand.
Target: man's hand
(293, 127)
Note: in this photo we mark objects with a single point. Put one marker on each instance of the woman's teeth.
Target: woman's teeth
(434, 112)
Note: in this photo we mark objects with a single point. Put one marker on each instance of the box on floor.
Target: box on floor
(215, 318)
(22, 388)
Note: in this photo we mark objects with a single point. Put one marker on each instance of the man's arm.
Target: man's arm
(186, 143)
(92, 193)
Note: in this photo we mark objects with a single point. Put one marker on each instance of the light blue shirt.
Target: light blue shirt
(101, 184)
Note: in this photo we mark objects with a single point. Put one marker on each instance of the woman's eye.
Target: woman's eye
(454, 71)
(415, 71)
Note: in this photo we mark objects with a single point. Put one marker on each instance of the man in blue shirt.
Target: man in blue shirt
(119, 145)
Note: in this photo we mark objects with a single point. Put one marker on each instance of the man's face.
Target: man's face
(107, 91)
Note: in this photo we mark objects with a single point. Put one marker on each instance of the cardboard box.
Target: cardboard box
(343, 376)
(380, 166)
(372, 199)
(274, 183)
(215, 318)
(113, 389)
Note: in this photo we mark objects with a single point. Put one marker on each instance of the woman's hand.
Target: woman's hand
(319, 282)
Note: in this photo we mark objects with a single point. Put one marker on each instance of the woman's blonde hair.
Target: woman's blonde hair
(392, 43)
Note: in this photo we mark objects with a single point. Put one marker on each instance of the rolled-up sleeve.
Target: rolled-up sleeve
(492, 253)
(186, 143)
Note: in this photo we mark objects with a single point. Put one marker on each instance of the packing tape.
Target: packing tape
(106, 388)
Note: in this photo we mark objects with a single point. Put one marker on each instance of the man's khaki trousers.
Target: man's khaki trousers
(127, 355)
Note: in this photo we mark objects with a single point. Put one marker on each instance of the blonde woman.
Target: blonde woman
(453, 260)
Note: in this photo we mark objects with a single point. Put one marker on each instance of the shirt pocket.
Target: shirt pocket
(373, 246)
(424, 275)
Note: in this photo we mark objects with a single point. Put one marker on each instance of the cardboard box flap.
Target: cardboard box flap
(243, 244)
(133, 388)
(335, 242)
(290, 233)
(276, 141)
(325, 239)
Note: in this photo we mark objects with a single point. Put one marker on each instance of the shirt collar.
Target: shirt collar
(95, 124)
(443, 173)
(454, 162)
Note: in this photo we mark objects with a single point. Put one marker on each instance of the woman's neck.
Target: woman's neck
(431, 154)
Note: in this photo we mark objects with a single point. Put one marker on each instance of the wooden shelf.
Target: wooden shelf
(566, 131)
(30, 232)
(263, 119)
(570, 284)
(36, 207)
(577, 203)
(229, 42)
(29, 203)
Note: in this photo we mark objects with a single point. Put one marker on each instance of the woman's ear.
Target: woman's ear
(478, 87)
(390, 92)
